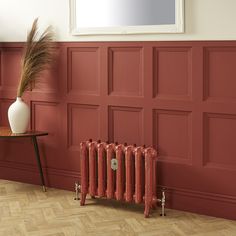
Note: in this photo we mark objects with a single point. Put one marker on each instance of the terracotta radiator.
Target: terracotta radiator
(121, 172)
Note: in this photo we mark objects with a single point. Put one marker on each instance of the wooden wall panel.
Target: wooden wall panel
(0, 70)
(48, 82)
(83, 124)
(125, 71)
(46, 117)
(83, 70)
(5, 103)
(125, 125)
(10, 67)
(219, 75)
(176, 96)
(219, 145)
(172, 73)
(173, 135)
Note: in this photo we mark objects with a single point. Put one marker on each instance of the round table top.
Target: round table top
(5, 132)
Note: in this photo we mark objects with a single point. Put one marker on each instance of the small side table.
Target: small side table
(5, 132)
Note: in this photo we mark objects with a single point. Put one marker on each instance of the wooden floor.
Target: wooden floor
(26, 210)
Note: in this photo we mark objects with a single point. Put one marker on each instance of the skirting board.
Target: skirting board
(211, 204)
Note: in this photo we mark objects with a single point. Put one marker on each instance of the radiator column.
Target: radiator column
(84, 171)
(110, 172)
(101, 169)
(120, 173)
(149, 192)
(92, 169)
(129, 174)
(138, 175)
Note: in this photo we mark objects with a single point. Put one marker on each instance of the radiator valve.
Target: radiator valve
(162, 201)
(114, 164)
(77, 189)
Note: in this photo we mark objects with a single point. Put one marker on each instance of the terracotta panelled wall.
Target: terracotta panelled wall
(178, 96)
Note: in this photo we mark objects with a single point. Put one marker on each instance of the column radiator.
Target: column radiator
(121, 172)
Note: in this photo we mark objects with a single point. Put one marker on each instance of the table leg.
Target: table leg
(36, 149)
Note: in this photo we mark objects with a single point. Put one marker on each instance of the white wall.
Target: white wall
(204, 20)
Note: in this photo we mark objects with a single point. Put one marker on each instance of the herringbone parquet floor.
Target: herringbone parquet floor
(26, 210)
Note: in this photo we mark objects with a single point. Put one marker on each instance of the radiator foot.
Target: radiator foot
(147, 211)
(77, 189)
(83, 198)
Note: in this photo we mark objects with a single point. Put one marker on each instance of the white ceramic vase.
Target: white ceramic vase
(18, 116)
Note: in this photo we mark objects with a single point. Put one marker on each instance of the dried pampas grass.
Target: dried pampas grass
(37, 57)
